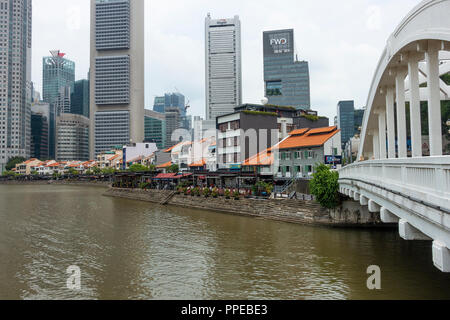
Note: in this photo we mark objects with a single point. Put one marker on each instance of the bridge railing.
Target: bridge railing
(426, 179)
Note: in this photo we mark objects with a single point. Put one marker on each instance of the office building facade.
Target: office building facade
(72, 136)
(286, 78)
(79, 101)
(155, 128)
(58, 78)
(15, 79)
(173, 123)
(223, 66)
(346, 120)
(116, 74)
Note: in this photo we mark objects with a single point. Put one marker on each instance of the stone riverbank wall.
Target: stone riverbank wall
(293, 211)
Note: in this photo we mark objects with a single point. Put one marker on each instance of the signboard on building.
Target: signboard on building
(278, 42)
(333, 160)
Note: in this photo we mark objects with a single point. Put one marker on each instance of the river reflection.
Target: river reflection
(134, 250)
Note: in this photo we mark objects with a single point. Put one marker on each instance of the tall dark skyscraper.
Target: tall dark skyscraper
(286, 79)
(79, 101)
(346, 120)
(15, 79)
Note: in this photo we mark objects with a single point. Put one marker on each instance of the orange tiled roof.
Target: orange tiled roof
(312, 138)
(178, 145)
(113, 157)
(165, 165)
(198, 163)
(264, 158)
(56, 164)
(30, 161)
(298, 132)
(296, 139)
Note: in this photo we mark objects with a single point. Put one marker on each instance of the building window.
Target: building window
(273, 88)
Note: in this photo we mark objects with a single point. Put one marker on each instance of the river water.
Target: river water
(135, 250)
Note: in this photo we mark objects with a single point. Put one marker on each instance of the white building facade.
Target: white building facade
(15, 79)
(223, 66)
(116, 74)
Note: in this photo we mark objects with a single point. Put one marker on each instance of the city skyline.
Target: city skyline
(343, 36)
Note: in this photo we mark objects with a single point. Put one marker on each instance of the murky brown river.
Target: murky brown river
(134, 250)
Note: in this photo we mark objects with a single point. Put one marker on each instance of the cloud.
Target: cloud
(374, 20)
(342, 40)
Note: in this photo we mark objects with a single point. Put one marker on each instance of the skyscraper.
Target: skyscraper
(72, 137)
(286, 78)
(155, 128)
(15, 79)
(58, 75)
(223, 66)
(79, 101)
(346, 120)
(117, 74)
(170, 100)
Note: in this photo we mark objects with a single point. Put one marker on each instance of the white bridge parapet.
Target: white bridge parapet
(415, 190)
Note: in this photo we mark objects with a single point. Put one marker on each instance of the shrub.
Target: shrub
(236, 195)
(206, 192)
(138, 168)
(325, 186)
(227, 193)
(215, 193)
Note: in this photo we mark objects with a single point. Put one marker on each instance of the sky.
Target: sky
(341, 40)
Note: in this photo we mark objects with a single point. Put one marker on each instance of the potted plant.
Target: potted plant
(215, 193)
(206, 192)
(236, 195)
(227, 194)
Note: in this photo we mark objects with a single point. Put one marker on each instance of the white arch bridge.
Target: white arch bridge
(406, 186)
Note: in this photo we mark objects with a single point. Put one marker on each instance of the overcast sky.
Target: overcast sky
(342, 40)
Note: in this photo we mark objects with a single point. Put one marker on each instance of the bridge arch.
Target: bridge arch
(408, 186)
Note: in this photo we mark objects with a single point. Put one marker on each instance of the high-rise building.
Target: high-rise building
(58, 75)
(346, 120)
(223, 66)
(40, 126)
(286, 78)
(72, 136)
(15, 79)
(160, 104)
(116, 74)
(39, 135)
(155, 128)
(79, 101)
(359, 116)
(172, 123)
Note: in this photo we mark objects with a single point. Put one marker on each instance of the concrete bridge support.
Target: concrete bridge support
(441, 256)
(408, 232)
(388, 217)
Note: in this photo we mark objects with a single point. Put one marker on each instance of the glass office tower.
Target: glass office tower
(286, 79)
(346, 120)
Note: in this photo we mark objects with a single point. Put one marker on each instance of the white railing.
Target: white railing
(427, 178)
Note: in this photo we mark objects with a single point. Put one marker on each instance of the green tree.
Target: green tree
(73, 172)
(174, 168)
(9, 174)
(325, 186)
(138, 168)
(96, 170)
(107, 171)
(13, 161)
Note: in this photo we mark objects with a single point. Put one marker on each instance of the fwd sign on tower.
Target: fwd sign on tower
(278, 42)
